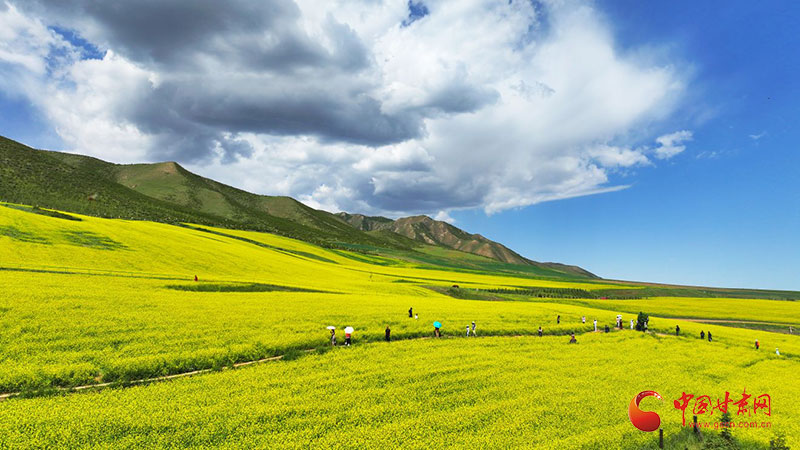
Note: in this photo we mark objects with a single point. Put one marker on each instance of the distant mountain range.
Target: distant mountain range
(166, 192)
(423, 229)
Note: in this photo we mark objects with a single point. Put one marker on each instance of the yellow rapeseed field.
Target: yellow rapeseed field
(98, 300)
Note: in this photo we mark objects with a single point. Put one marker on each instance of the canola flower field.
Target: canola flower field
(782, 312)
(98, 300)
(480, 393)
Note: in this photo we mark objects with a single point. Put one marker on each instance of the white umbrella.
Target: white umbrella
(349, 330)
(331, 327)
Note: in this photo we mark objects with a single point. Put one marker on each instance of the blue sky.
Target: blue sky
(652, 141)
(731, 219)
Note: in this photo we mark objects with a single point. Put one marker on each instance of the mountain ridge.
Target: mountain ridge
(422, 228)
(167, 192)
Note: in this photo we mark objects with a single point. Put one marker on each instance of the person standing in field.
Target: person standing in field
(757, 346)
(558, 319)
(195, 278)
(388, 334)
(436, 332)
(709, 336)
(702, 334)
(595, 324)
(416, 316)
(467, 330)
(347, 339)
(409, 312)
(540, 331)
(631, 324)
(333, 337)
(473, 329)
(583, 319)
(677, 330)
(777, 352)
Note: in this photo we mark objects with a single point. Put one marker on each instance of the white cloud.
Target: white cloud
(758, 136)
(671, 144)
(611, 156)
(708, 155)
(444, 217)
(29, 53)
(92, 116)
(480, 104)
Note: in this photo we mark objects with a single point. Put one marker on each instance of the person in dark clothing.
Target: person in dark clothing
(757, 346)
(677, 330)
(436, 331)
(388, 334)
(347, 339)
(702, 335)
(540, 331)
(410, 312)
(572, 339)
(195, 278)
(558, 319)
(607, 329)
(333, 337)
(709, 336)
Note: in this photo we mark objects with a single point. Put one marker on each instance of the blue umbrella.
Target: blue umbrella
(437, 324)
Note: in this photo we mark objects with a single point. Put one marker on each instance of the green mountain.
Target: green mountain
(166, 192)
(163, 192)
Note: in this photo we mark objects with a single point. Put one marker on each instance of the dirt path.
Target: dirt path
(8, 395)
(150, 380)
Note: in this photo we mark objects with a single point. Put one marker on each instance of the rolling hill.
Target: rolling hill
(167, 192)
(163, 192)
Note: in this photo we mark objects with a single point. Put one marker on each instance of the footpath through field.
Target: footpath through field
(8, 395)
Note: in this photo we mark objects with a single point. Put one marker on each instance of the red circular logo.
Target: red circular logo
(644, 420)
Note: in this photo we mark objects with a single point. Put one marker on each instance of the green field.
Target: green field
(93, 301)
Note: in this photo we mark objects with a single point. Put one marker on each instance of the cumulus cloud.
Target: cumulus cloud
(382, 107)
